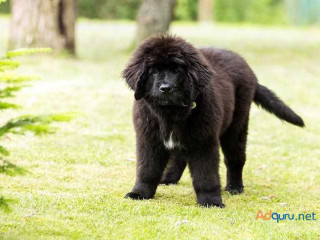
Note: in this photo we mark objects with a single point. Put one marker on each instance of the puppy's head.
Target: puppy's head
(167, 71)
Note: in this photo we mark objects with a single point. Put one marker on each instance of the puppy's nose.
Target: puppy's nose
(165, 88)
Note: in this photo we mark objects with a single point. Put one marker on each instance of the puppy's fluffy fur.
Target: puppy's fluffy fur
(170, 77)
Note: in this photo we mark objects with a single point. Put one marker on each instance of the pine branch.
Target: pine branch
(5, 105)
(4, 151)
(14, 78)
(27, 51)
(35, 124)
(6, 64)
(8, 91)
(4, 203)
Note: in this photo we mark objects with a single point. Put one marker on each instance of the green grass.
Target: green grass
(71, 184)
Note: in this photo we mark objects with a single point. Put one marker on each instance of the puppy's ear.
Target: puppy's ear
(135, 75)
(140, 87)
(199, 71)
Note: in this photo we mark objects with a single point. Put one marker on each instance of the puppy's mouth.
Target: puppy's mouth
(178, 101)
(168, 103)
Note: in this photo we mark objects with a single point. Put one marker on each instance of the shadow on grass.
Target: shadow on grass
(11, 169)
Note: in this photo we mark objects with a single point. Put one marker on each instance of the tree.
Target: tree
(154, 17)
(39, 23)
(205, 10)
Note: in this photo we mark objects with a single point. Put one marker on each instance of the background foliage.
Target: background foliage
(249, 11)
(109, 9)
(262, 11)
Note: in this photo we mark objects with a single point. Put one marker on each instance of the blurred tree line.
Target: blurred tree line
(252, 11)
(38, 23)
(255, 11)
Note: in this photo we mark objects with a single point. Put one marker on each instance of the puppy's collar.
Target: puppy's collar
(194, 104)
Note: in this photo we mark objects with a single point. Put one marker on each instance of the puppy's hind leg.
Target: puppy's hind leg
(174, 170)
(233, 143)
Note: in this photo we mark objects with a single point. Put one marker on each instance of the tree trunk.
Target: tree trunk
(205, 10)
(43, 23)
(154, 17)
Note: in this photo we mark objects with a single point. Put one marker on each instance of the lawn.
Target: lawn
(71, 184)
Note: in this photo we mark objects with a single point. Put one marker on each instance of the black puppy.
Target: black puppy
(188, 103)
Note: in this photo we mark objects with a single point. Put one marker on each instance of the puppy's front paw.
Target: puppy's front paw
(212, 204)
(134, 196)
(234, 190)
(207, 200)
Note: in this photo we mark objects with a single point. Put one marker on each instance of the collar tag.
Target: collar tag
(194, 104)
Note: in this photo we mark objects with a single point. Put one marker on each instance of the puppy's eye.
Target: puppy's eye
(175, 71)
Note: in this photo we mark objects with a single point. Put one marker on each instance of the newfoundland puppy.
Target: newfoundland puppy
(188, 102)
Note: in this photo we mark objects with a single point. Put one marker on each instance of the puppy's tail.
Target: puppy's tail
(269, 101)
